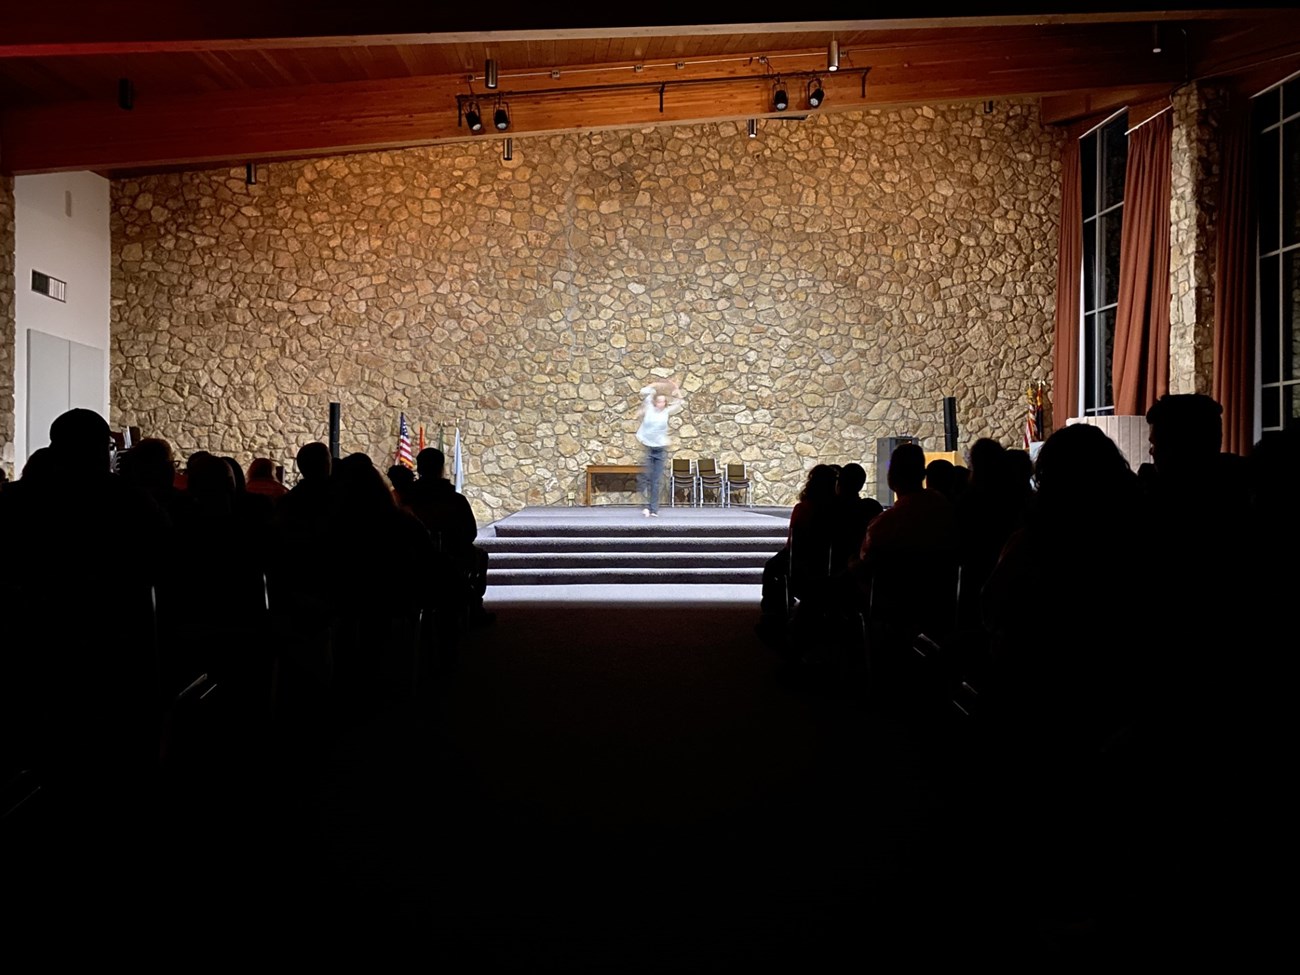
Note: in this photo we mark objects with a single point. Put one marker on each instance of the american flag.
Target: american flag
(404, 444)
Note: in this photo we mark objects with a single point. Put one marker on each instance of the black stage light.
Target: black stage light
(473, 118)
(815, 94)
(780, 100)
(500, 118)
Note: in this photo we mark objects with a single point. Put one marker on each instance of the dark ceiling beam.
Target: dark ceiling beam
(265, 124)
(85, 27)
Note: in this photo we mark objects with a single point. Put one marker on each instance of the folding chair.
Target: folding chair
(737, 478)
(682, 475)
(709, 478)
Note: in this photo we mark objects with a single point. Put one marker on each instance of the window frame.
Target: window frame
(1097, 384)
(1287, 120)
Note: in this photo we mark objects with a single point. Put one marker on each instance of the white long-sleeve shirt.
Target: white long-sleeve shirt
(654, 421)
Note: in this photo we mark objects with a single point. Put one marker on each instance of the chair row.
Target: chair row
(703, 482)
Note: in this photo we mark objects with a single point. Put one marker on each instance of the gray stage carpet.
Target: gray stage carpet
(613, 553)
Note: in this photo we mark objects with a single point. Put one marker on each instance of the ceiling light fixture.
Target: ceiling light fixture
(501, 117)
(474, 117)
(753, 128)
(507, 150)
(250, 174)
(833, 56)
(780, 100)
(815, 94)
(490, 73)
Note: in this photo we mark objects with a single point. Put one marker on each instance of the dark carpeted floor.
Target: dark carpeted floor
(634, 787)
(640, 787)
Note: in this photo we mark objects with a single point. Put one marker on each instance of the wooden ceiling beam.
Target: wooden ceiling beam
(266, 124)
(87, 27)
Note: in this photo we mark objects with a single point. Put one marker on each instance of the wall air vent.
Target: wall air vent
(50, 287)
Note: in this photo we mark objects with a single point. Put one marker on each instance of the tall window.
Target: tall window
(1277, 174)
(1103, 155)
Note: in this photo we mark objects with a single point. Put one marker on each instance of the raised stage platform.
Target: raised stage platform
(613, 552)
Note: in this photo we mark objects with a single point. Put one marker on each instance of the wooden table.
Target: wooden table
(595, 470)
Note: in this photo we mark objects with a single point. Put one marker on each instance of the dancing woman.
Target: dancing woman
(660, 400)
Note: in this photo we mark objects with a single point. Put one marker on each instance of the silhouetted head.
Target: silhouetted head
(41, 468)
(209, 477)
(820, 485)
(852, 477)
(315, 462)
(430, 462)
(150, 465)
(401, 476)
(1185, 431)
(986, 456)
(941, 476)
(81, 442)
(1080, 468)
(907, 468)
(261, 469)
(237, 472)
(360, 488)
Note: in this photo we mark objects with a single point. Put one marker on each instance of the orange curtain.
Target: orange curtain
(1140, 362)
(1234, 288)
(1069, 265)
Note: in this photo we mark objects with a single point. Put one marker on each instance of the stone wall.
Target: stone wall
(8, 324)
(1197, 111)
(818, 287)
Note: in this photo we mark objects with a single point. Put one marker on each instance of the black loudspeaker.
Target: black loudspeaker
(950, 423)
(335, 413)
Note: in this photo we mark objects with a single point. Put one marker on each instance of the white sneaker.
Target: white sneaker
(645, 512)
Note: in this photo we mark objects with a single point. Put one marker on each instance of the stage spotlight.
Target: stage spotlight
(501, 118)
(473, 117)
(508, 150)
(815, 94)
(780, 100)
(833, 56)
(250, 174)
(753, 128)
(490, 73)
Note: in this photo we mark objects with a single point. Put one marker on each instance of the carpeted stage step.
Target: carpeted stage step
(617, 546)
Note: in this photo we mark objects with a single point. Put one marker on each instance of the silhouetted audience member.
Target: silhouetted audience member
(149, 465)
(906, 571)
(301, 567)
(402, 478)
(450, 521)
(941, 476)
(802, 568)
(853, 514)
(1073, 671)
(387, 573)
(262, 479)
(254, 508)
(992, 507)
(217, 600)
(1196, 513)
(80, 690)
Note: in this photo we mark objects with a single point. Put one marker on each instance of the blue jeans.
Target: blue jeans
(651, 476)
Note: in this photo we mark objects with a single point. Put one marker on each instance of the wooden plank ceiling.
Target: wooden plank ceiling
(265, 81)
